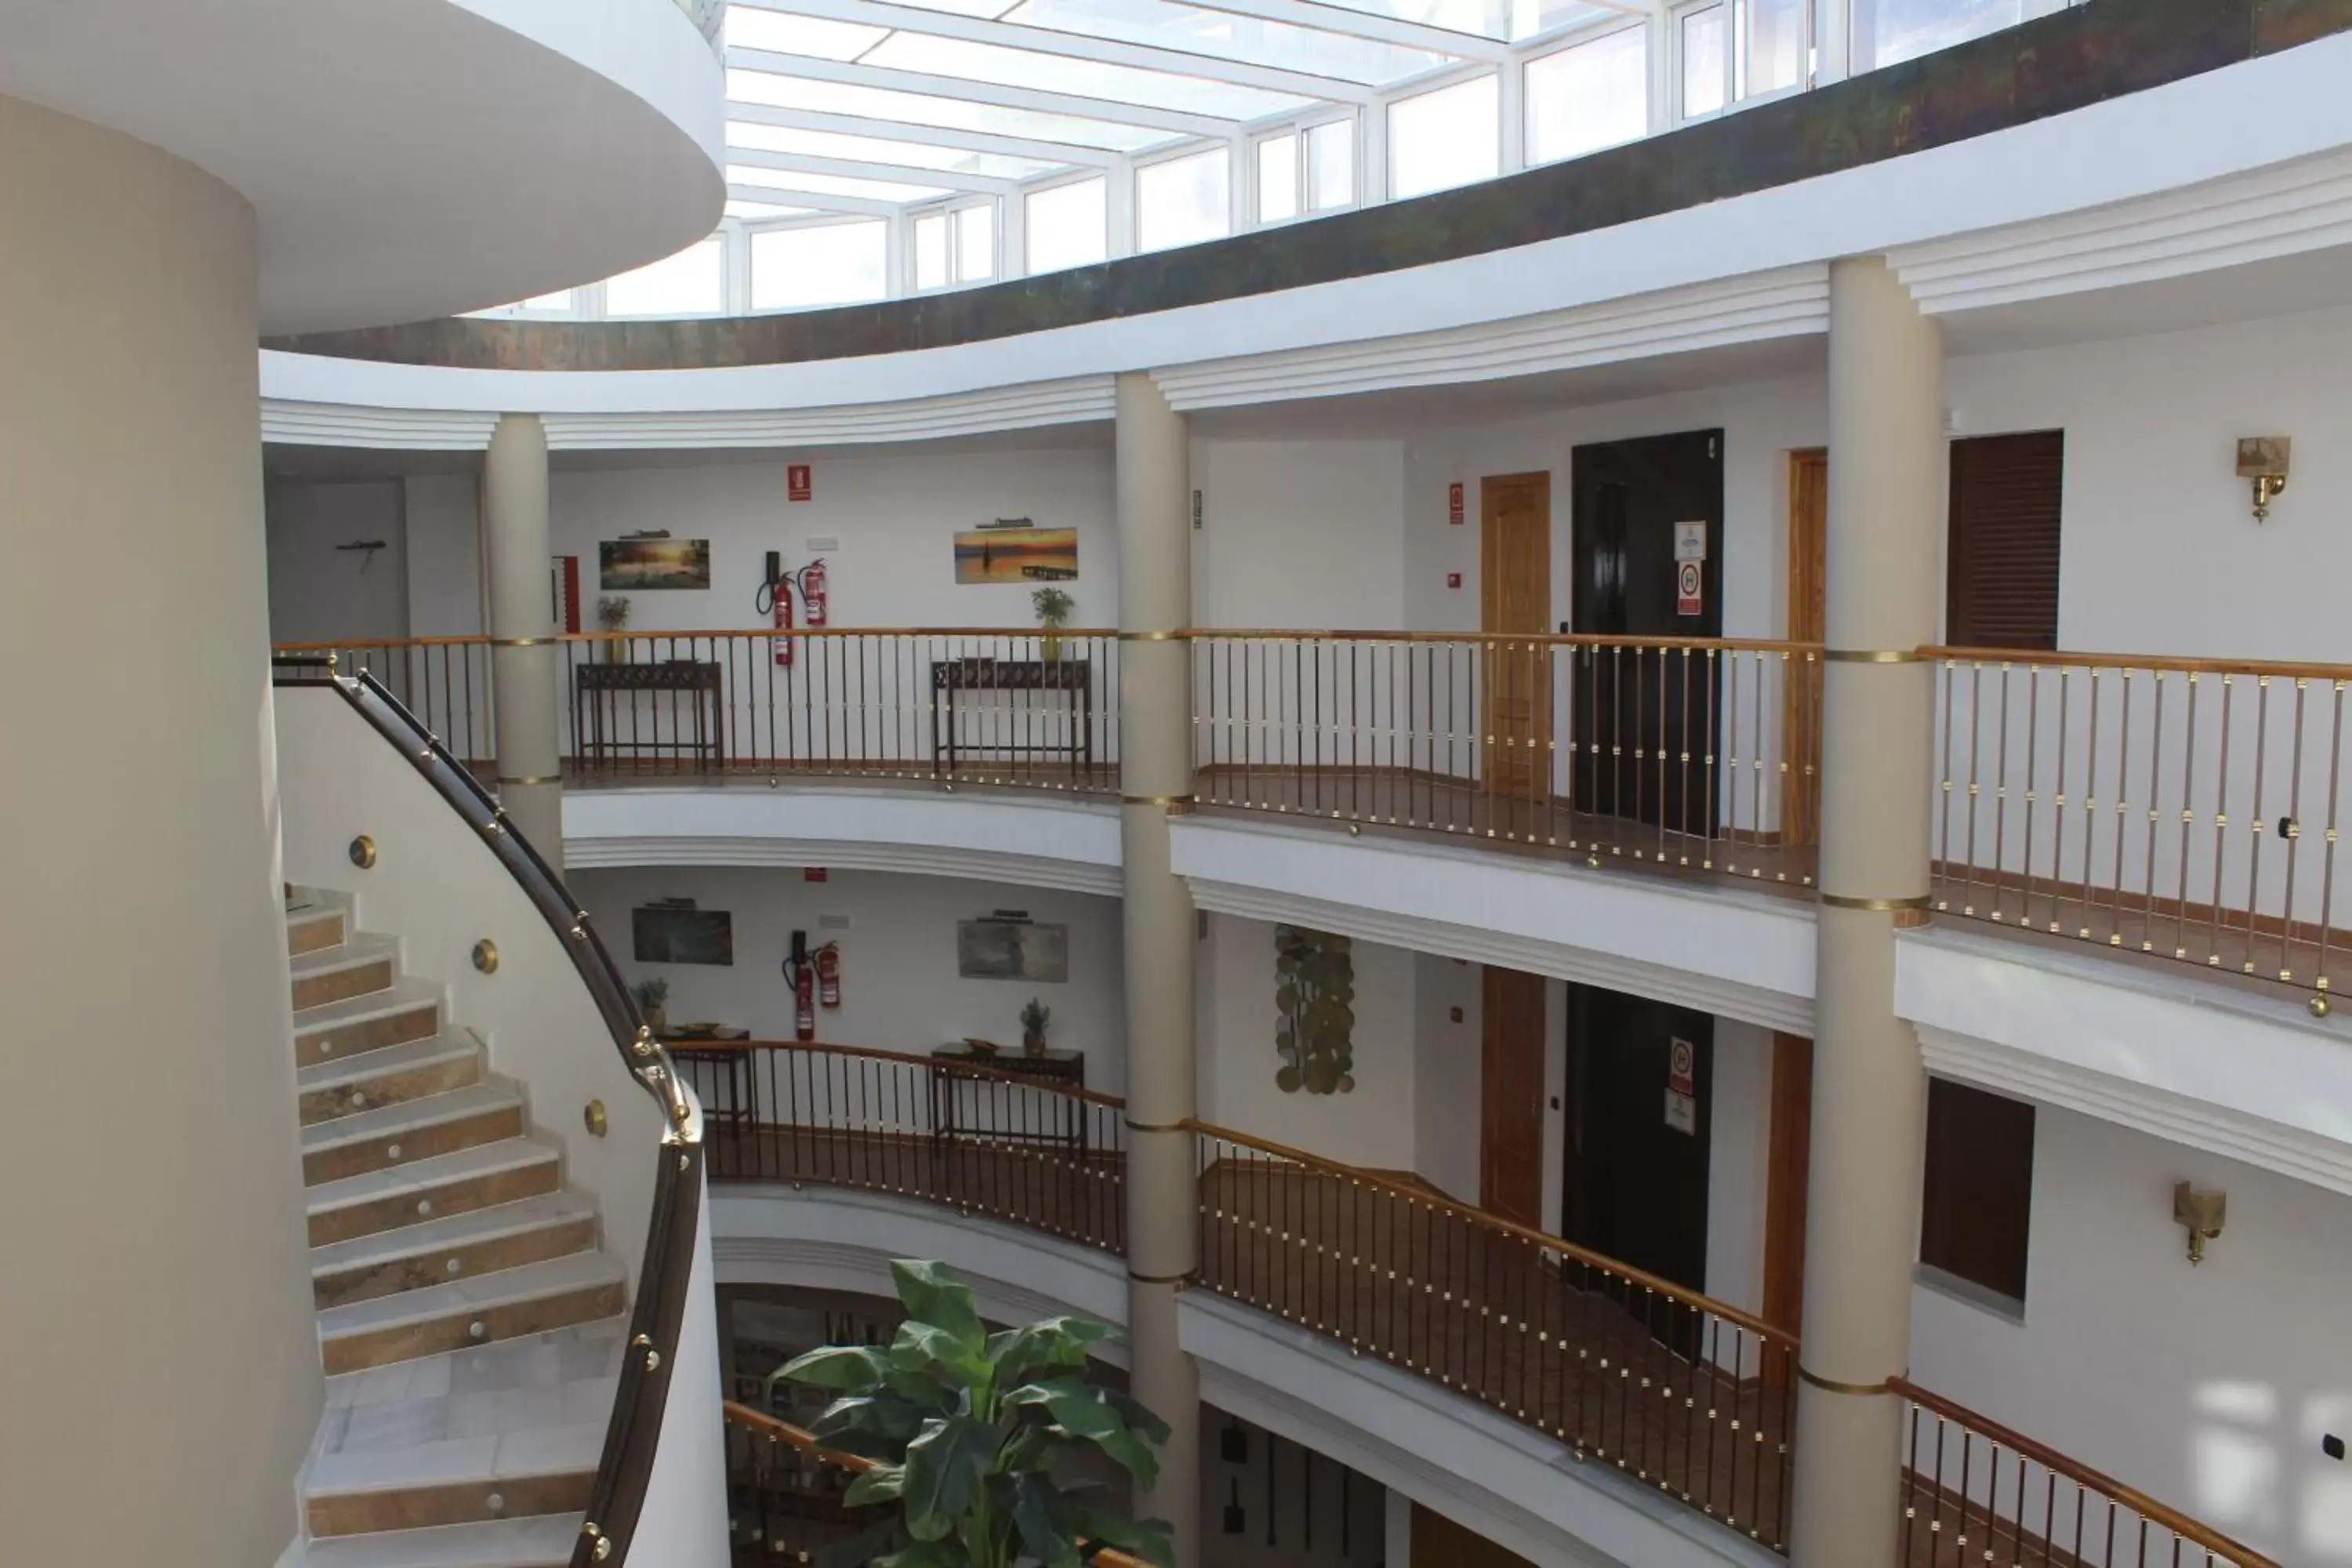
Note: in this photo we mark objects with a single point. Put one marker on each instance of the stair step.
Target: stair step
(459, 1480)
(393, 1075)
(545, 1542)
(408, 1129)
(365, 964)
(481, 1177)
(530, 1299)
(410, 1010)
(481, 1242)
(560, 1359)
(315, 920)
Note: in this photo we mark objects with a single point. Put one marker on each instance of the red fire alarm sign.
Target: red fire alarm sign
(813, 874)
(799, 484)
(1454, 503)
(1454, 579)
(1687, 598)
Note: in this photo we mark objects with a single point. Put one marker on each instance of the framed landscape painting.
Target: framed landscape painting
(637, 565)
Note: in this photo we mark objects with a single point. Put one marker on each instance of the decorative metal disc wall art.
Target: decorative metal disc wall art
(1314, 999)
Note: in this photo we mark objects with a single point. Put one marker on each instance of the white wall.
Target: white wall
(2209, 1387)
(894, 516)
(1449, 1069)
(445, 554)
(1739, 1142)
(319, 593)
(1302, 534)
(899, 987)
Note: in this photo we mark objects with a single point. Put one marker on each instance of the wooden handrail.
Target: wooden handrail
(784, 1432)
(1498, 1224)
(733, 634)
(961, 1067)
(2083, 1475)
(1539, 639)
(2060, 658)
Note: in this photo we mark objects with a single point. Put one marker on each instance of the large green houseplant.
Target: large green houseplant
(969, 1428)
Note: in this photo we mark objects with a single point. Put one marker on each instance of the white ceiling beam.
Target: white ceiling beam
(822, 201)
(862, 169)
(1055, 153)
(1364, 24)
(999, 93)
(1073, 46)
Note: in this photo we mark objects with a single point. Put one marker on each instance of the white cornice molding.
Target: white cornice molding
(2289, 1151)
(1680, 987)
(299, 424)
(1080, 400)
(972, 863)
(1789, 301)
(2285, 209)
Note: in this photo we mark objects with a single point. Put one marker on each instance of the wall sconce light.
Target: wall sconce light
(2263, 459)
(2201, 1214)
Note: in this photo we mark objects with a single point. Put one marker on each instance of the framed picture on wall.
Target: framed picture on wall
(672, 933)
(1016, 555)
(1012, 950)
(635, 566)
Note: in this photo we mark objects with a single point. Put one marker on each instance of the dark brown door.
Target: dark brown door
(1514, 595)
(1809, 514)
(1637, 1155)
(1789, 1165)
(1438, 1541)
(1631, 709)
(1510, 1143)
(2001, 581)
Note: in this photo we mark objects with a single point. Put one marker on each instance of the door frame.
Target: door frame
(1539, 781)
(1787, 1168)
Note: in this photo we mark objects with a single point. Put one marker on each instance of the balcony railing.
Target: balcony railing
(2186, 809)
(1679, 753)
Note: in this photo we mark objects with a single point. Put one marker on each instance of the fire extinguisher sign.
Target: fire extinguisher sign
(799, 484)
(1690, 568)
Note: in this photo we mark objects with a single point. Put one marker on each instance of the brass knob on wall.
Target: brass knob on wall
(594, 1116)
(486, 956)
(363, 852)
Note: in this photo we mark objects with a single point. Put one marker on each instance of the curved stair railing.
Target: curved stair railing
(631, 1437)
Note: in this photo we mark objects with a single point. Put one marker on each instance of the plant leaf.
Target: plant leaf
(1088, 1417)
(927, 1554)
(1053, 1342)
(933, 1295)
(1037, 1513)
(928, 1350)
(1149, 1539)
(883, 1485)
(835, 1366)
(881, 1415)
(944, 1466)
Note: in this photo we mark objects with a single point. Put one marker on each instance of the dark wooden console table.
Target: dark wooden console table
(1071, 678)
(1063, 1123)
(596, 712)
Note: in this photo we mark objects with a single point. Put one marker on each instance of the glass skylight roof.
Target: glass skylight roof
(880, 150)
(794, 181)
(1222, 36)
(888, 104)
(1108, 84)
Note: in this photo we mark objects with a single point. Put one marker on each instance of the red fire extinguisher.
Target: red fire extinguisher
(828, 974)
(801, 976)
(812, 581)
(775, 600)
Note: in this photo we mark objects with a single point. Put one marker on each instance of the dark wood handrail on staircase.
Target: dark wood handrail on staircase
(634, 1431)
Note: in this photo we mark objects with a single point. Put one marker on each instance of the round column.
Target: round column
(162, 1380)
(1877, 774)
(1155, 748)
(526, 663)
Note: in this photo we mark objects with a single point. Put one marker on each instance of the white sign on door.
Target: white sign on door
(1690, 541)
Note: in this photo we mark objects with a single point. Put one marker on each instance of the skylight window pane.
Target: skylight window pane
(1277, 179)
(1068, 225)
(1449, 137)
(1888, 31)
(882, 150)
(831, 184)
(1041, 72)
(750, 28)
(1224, 36)
(975, 243)
(1504, 19)
(932, 251)
(828, 264)
(1331, 166)
(1593, 96)
(1776, 45)
(1703, 61)
(761, 211)
(949, 113)
(1183, 200)
(690, 283)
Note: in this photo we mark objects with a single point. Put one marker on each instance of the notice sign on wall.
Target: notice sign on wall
(1689, 596)
(1457, 507)
(799, 484)
(1681, 1088)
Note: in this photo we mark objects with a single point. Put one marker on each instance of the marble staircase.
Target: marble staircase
(470, 1324)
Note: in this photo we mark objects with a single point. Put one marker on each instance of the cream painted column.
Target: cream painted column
(1869, 1086)
(1155, 749)
(160, 1384)
(526, 663)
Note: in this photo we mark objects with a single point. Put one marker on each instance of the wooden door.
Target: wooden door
(1514, 595)
(1440, 1543)
(1809, 516)
(1511, 1089)
(1790, 1163)
(2002, 581)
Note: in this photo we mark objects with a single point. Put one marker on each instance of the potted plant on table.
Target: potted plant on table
(1034, 1019)
(613, 615)
(1053, 607)
(970, 1427)
(652, 1001)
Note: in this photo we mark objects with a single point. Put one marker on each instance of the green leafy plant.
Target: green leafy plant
(1053, 607)
(1035, 1016)
(651, 995)
(1314, 998)
(969, 1427)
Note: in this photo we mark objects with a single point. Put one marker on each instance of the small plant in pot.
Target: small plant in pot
(652, 1001)
(1053, 607)
(613, 615)
(1034, 1019)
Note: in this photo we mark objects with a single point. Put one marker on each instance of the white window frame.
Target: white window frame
(1016, 260)
(1559, 43)
(1297, 130)
(1506, 100)
(947, 209)
(1814, 69)
(893, 249)
(1241, 186)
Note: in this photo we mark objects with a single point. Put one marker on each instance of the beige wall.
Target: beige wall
(160, 1381)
